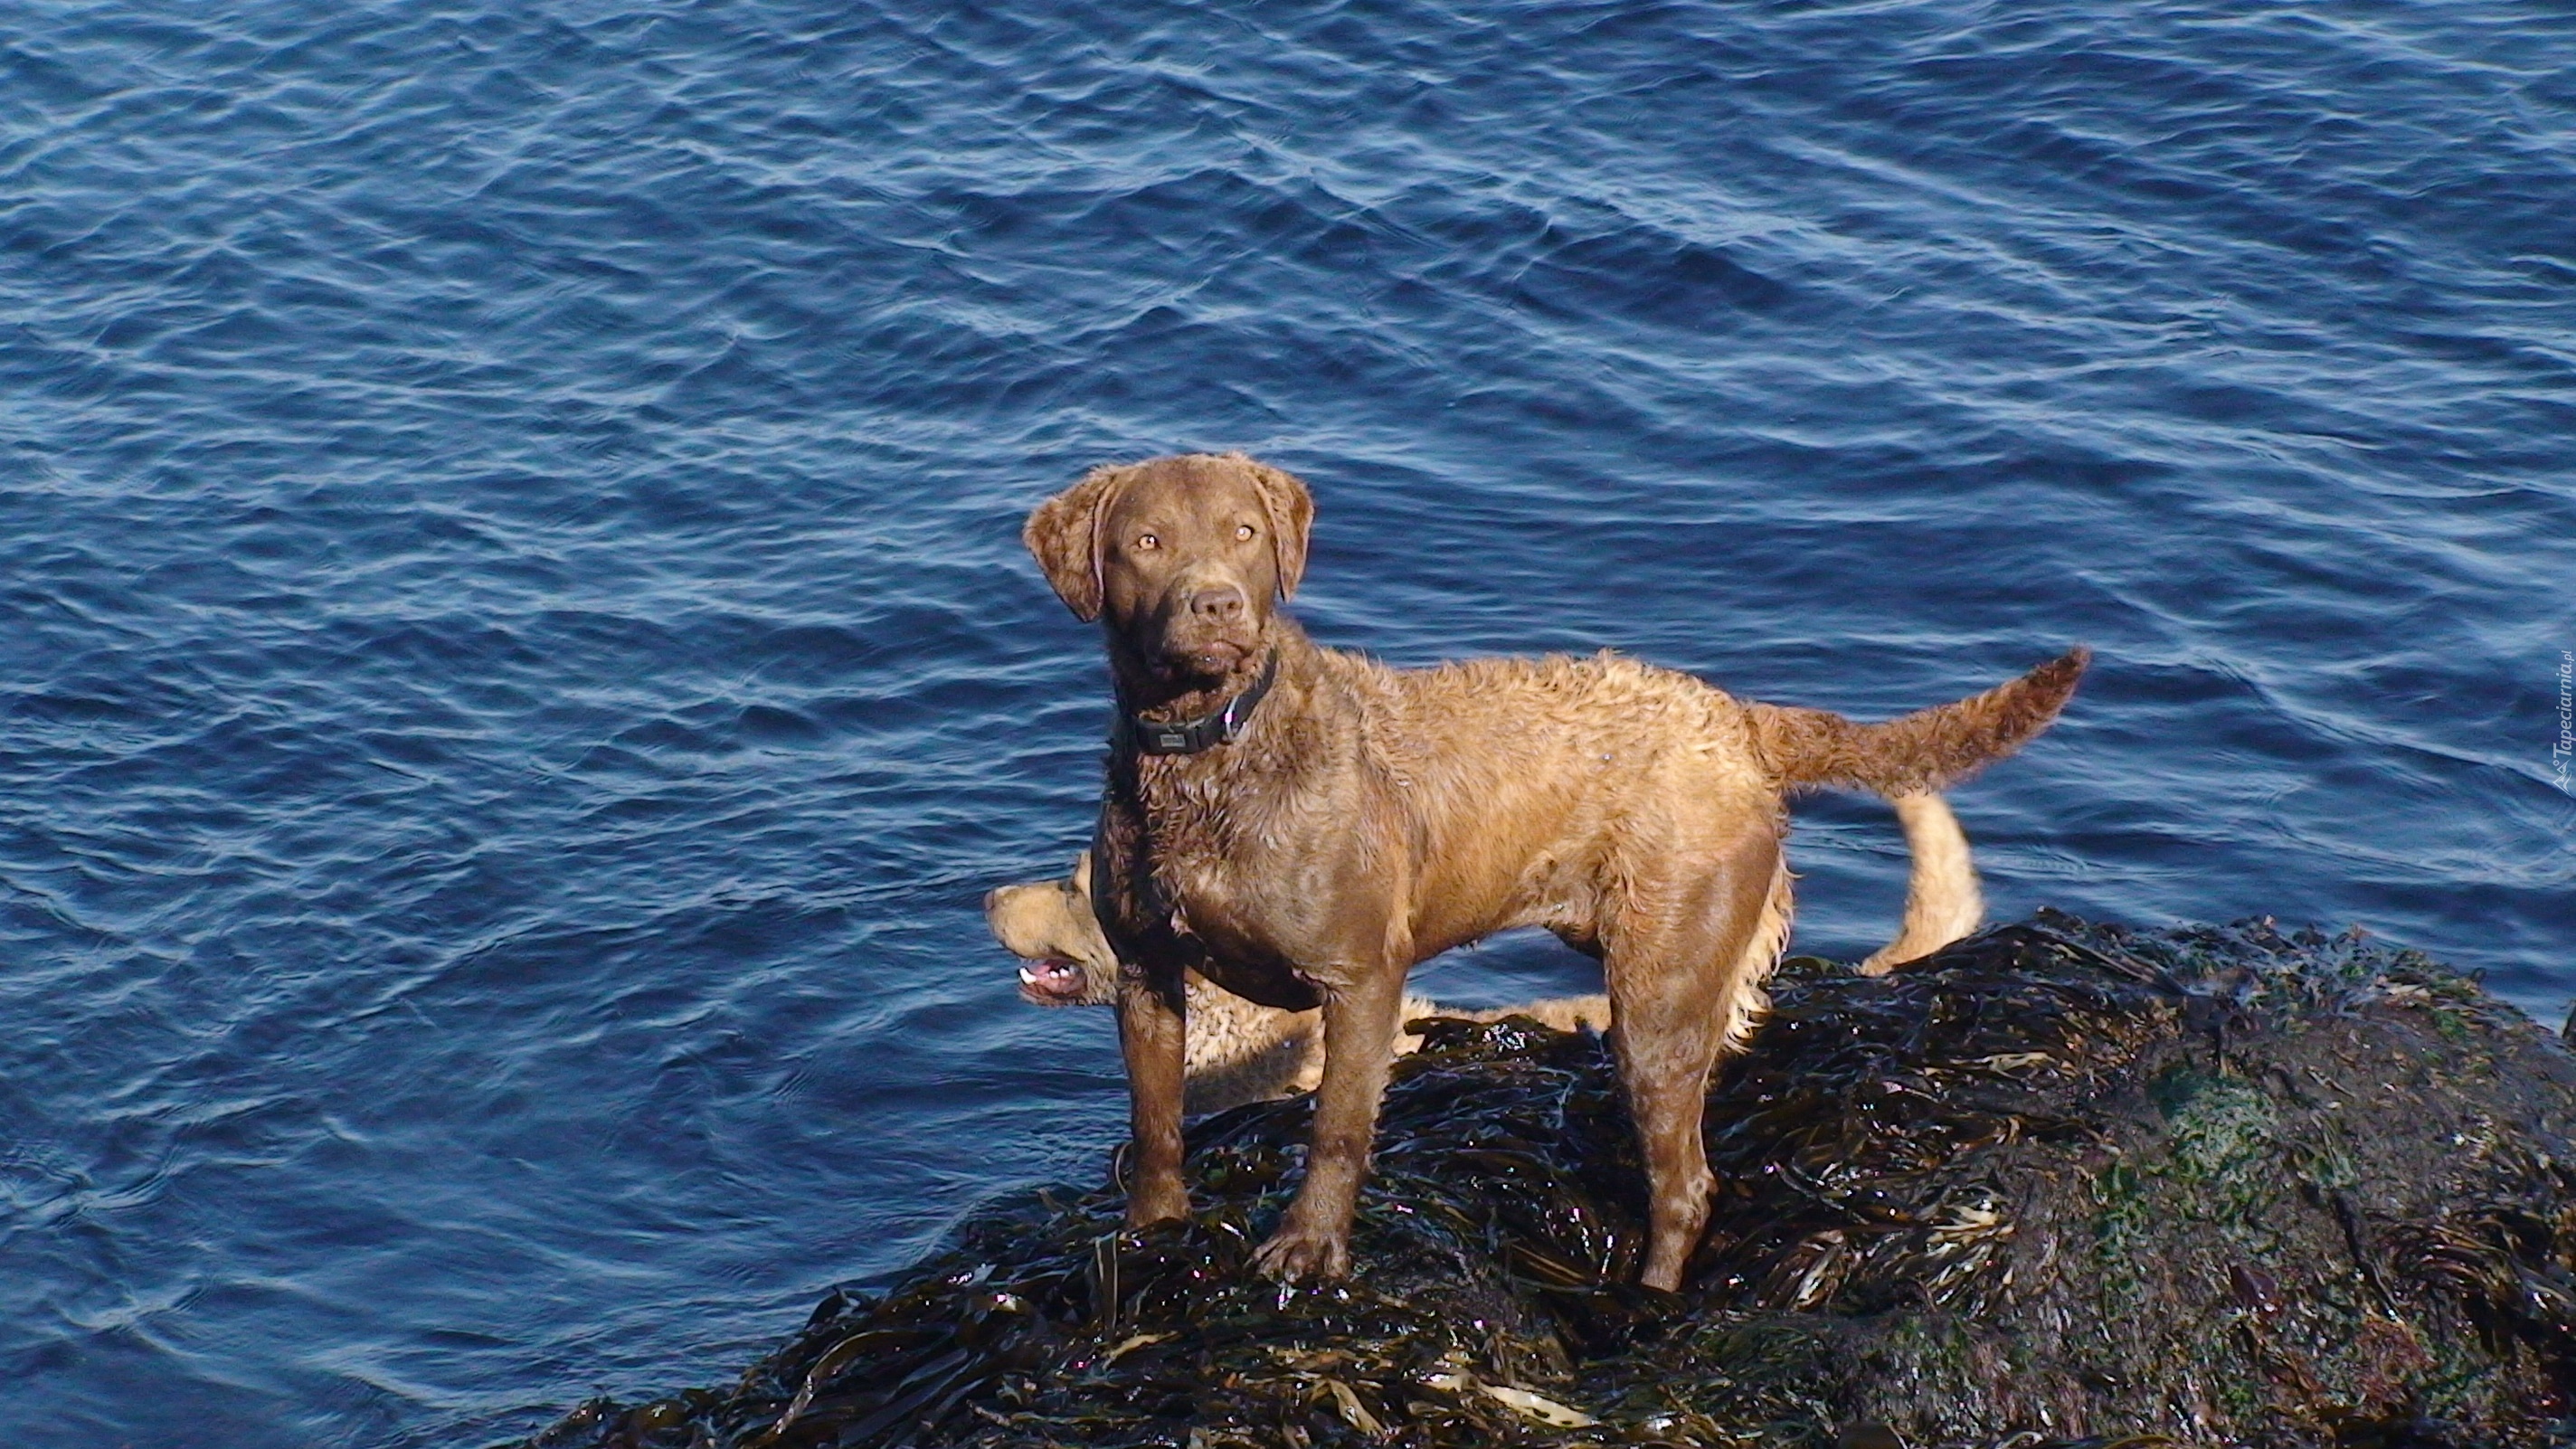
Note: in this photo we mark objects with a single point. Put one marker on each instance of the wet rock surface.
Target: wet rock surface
(2057, 1184)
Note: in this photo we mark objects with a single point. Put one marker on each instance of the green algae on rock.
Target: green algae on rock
(2058, 1184)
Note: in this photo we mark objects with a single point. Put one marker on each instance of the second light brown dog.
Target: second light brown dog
(1238, 1051)
(1301, 825)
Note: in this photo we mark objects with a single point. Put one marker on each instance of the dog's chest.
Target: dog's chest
(1250, 898)
(1245, 950)
(1217, 897)
(1259, 849)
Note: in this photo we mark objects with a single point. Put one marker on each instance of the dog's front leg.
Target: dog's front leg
(1151, 1035)
(1314, 1237)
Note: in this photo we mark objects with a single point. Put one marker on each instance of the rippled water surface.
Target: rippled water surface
(518, 666)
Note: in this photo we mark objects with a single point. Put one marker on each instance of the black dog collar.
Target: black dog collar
(1208, 731)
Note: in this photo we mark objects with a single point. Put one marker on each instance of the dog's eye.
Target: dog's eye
(1243, 533)
(1148, 541)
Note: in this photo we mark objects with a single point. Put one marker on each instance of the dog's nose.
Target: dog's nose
(1217, 604)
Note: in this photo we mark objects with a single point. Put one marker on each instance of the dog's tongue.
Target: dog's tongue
(1051, 982)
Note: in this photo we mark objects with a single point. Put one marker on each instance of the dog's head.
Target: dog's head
(1185, 558)
(1065, 960)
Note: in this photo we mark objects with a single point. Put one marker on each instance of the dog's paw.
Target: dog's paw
(1157, 1203)
(1295, 1256)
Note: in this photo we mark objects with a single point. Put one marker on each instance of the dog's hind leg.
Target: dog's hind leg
(1687, 950)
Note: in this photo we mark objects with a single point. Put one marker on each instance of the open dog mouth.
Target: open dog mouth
(1052, 982)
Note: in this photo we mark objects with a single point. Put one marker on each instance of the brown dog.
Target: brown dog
(1238, 1051)
(1301, 825)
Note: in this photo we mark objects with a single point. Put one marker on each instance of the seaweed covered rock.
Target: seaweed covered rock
(2057, 1184)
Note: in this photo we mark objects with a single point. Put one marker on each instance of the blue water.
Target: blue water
(518, 666)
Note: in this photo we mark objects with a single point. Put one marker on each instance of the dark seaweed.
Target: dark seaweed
(2060, 1184)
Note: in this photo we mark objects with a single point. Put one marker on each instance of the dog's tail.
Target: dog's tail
(1907, 760)
(1921, 752)
(1942, 902)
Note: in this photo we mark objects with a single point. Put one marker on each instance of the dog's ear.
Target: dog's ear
(1063, 535)
(1290, 510)
(1082, 875)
